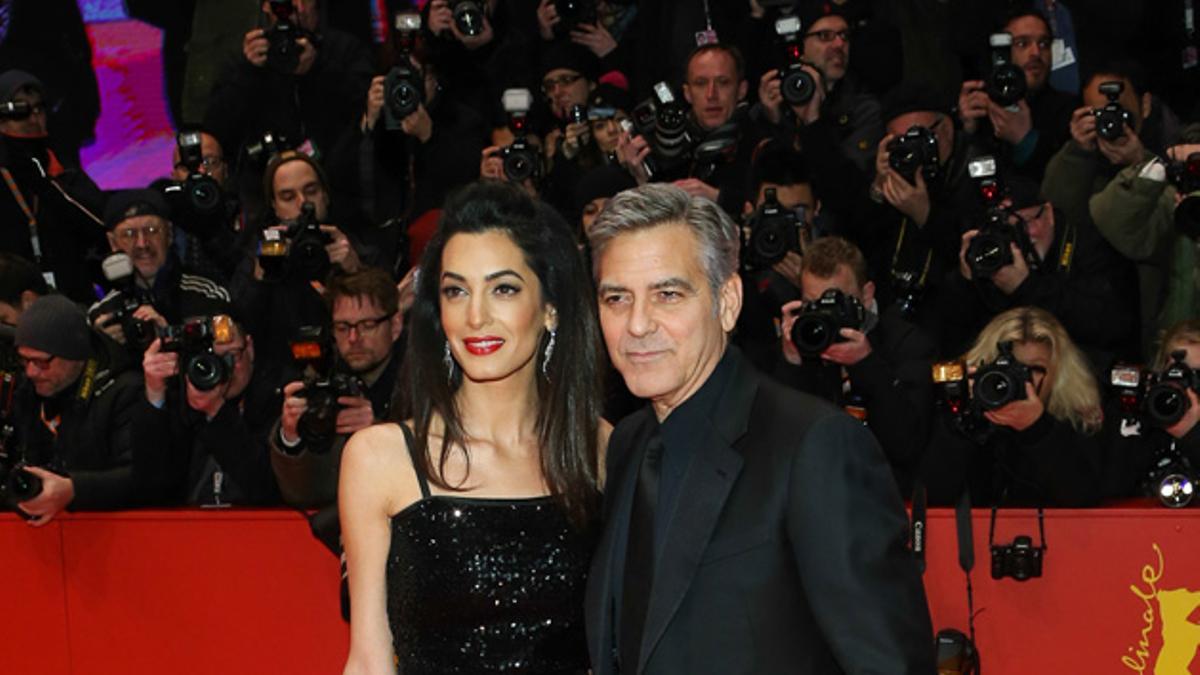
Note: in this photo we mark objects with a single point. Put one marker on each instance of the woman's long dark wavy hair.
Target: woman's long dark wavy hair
(568, 395)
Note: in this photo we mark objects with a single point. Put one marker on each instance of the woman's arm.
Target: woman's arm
(367, 474)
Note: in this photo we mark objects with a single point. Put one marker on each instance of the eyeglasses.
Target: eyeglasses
(209, 162)
(132, 233)
(39, 363)
(363, 327)
(549, 85)
(829, 35)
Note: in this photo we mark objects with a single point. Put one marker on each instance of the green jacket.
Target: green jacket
(1137, 216)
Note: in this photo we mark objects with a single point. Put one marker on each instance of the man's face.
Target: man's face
(812, 286)
(212, 161)
(565, 88)
(305, 14)
(1093, 98)
(48, 374)
(1031, 49)
(1039, 223)
(657, 312)
(942, 129)
(295, 183)
(827, 46)
(713, 88)
(794, 196)
(364, 333)
(146, 240)
(33, 126)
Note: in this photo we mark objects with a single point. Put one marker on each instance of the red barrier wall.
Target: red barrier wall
(251, 591)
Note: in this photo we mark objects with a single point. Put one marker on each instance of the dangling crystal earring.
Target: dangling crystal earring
(449, 361)
(549, 353)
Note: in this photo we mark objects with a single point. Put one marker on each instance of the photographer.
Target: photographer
(885, 360)
(1142, 213)
(51, 209)
(1039, 449)
(714, 88)
(568, 81)
(1136, 449)
(208, 241)
(1028, 132)
(203, 422)
(839, 107)
(367, 323)
(1060, 266)
(21, 284)
(74, 413)
(417, 158)
(139, 226)
(292, 77)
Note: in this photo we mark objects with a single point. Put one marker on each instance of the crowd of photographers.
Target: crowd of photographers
(992, 265)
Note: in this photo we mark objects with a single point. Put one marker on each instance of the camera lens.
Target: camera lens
(987, 253)
(813, 333)
(518, 166)
(1176, 490)
(23, 485)
(204, 194)
(797, 86)
(1166, 404)
(468, 17)
(319, 420)
(768, 243)
(403, 97)
(207, 370)
(995, 389)
(1007, 85)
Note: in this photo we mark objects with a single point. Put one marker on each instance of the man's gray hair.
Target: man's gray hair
(655, 204)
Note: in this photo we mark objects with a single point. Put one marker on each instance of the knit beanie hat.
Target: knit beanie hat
(57, 326)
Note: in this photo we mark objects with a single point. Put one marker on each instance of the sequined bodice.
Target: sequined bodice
(487, 586)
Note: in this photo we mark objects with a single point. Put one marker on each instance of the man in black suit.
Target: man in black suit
(750, 528)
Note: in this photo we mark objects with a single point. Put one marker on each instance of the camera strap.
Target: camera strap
(966, 552)
(896, 254)
(919, 520)
(1066, 249)
(1041, 528)
(35, 242)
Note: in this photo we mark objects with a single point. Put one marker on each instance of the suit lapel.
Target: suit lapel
(710, 477)
(621, 482)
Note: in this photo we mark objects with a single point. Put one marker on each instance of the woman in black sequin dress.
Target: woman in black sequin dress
(469, 526)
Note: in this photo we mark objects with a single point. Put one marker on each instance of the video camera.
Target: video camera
(468, 16)
(404, 86)
(323, 385)
(298, 251)
(819, 322)
(770, 232)
(991, 249)
(1006, 83)
(1185, 176)
(796, 84)
(915, 150)
(572, 13)
(283, 51)
(521, 158)
(118, 270)
(1112, 119)
(663, 121)
(195, 340)
(197, 203)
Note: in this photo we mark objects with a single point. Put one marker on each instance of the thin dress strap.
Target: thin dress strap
(412, 455)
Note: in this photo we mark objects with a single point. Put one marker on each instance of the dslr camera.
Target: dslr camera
(572, 13)
(1112, 119)
(663, 121)
(1020, 560)
(323, 385)
(796, 84)
(468, 16)
(521, 158)
(991, 249)
(996, 384)
(263, 149)
(299, 251)
(1171, 478)
(916, 150)
(118, 270)
(404, 86)
(283, 51)
(1005, 85)
(195, 340)
(197, 203)
(1185, 176)
(1002, 381)
(770, 232)
(1167, 399)
(819, 322)
(16, 484)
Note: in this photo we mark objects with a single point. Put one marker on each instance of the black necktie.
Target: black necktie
(639, 557)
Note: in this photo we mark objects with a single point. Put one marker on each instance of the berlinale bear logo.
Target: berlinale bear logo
(1180, 637)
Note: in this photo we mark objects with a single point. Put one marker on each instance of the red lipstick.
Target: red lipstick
(482, 346)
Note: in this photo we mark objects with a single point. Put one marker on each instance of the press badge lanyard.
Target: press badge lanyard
(52, 423)
(708, 35)
(35, 242)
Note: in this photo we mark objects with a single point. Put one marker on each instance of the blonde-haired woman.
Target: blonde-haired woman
(1042, 449)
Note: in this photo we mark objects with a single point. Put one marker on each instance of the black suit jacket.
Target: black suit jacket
(785, 553)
